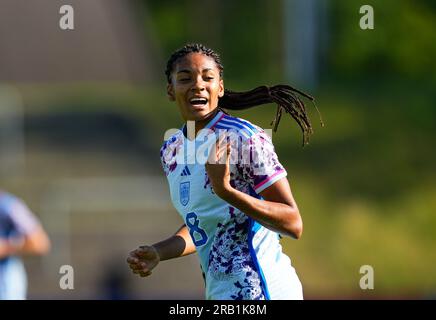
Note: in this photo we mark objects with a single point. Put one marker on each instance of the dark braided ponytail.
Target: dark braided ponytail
(286, 97)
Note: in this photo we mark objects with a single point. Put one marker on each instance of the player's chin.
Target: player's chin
(199, 114)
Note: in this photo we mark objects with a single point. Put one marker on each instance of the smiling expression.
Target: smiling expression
(196, 86)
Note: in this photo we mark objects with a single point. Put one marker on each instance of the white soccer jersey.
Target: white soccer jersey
(240, 258)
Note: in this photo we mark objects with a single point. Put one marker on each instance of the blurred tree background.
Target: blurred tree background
(365, 184)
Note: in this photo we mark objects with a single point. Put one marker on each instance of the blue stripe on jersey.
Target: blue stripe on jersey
(245, 122)
(234, 124)
(255, 226)
(242, 131)
(238, 123)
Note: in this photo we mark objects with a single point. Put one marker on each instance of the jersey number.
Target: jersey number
(198, 235)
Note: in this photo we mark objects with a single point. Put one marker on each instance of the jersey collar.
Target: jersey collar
(211, 124)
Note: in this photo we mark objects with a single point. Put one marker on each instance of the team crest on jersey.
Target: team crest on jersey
(184, 193)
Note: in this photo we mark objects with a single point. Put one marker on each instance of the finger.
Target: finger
(132, 260)
(225, 150)
(141, 270)
(135, 254)
(214, 149)
(222, 138)
(140, 266)
(223, 154)
(222, 142)
(136, 267)
(229, 155)
(144, 251)
(145, 274)
(212, 159)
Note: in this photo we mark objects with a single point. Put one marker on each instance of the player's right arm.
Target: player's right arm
(144, 259)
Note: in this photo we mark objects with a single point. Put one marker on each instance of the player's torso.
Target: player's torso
(193, 197)
(220, 233)
(226, 239)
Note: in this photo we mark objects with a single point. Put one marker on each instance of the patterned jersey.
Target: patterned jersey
(16, 221)
(240, 259)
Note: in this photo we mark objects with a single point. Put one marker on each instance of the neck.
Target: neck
(200, 124)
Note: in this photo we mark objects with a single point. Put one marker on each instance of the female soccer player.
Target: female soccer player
(235, 207)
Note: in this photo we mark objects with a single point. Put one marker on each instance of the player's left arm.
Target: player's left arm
(278, 211)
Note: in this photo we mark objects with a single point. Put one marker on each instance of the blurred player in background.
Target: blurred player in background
(233, 212)
(20, 233)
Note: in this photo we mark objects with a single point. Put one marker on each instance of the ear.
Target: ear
(170, 92)
(221, 89)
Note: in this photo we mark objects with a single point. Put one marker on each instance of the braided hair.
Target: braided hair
(286, 97)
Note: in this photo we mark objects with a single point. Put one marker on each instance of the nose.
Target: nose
(198, 85)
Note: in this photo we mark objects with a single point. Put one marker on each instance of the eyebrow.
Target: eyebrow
(189, 71)
(184, 71)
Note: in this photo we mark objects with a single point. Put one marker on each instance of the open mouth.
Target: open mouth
(198, 101)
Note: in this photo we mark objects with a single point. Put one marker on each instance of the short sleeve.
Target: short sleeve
(260, 166)
(170, 151)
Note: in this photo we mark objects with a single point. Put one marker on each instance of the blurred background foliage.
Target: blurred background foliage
(365, 184)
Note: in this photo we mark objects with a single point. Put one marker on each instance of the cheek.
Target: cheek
(179, 93)
(215, 90)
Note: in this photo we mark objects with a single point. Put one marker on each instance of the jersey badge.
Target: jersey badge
(184, 192)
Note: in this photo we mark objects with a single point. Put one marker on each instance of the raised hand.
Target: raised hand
(218, 167)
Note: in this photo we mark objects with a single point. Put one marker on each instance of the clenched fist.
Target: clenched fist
(143, 260)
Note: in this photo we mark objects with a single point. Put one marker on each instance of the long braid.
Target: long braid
(286, 97)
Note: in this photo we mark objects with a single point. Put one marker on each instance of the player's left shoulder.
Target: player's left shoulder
(240, 126)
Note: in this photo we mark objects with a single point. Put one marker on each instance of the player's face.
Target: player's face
(196, 87)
